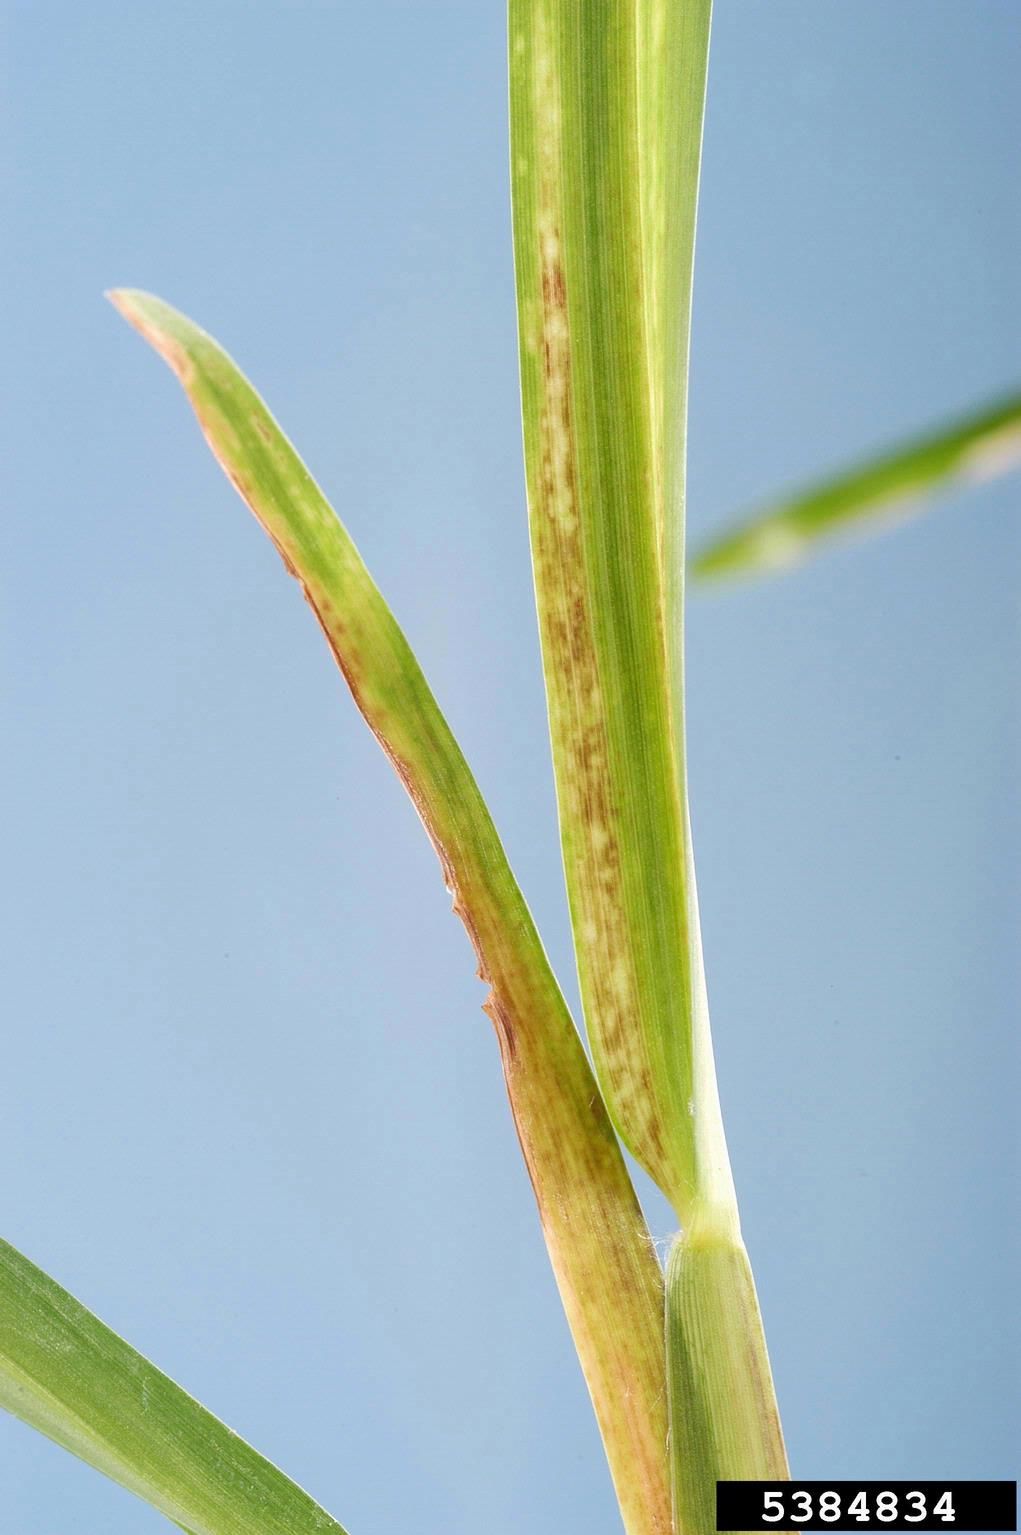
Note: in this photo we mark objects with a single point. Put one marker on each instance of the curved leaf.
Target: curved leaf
(609, 1278)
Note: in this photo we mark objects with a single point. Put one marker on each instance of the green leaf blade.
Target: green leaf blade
(69, 1376)
(605, 141)
(868, 498)
(606, 1269)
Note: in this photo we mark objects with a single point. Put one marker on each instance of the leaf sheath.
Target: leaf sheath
(724, 1424)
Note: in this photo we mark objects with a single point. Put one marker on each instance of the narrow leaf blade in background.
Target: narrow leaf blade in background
(870, 497)
(609, 1278)
(64, 1372)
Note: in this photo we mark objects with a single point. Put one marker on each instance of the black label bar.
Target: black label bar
(852, 1506)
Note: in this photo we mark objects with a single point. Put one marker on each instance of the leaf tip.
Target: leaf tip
(153, 321)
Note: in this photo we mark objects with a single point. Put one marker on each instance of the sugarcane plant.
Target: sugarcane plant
(606, 109)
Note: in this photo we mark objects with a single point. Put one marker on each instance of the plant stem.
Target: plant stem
(724, 1423)
(606, 122)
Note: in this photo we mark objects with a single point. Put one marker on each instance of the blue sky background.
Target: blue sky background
(253, 1115)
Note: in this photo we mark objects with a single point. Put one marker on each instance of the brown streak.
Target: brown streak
(568, 638)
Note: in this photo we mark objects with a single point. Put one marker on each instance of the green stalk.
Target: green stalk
(606, 122)
(723, 1420)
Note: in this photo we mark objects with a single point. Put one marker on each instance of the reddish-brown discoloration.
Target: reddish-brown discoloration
(584, 782)
(554, 289)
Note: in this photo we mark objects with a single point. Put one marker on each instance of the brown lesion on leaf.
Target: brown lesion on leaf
(554, 291)
(585, 787)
